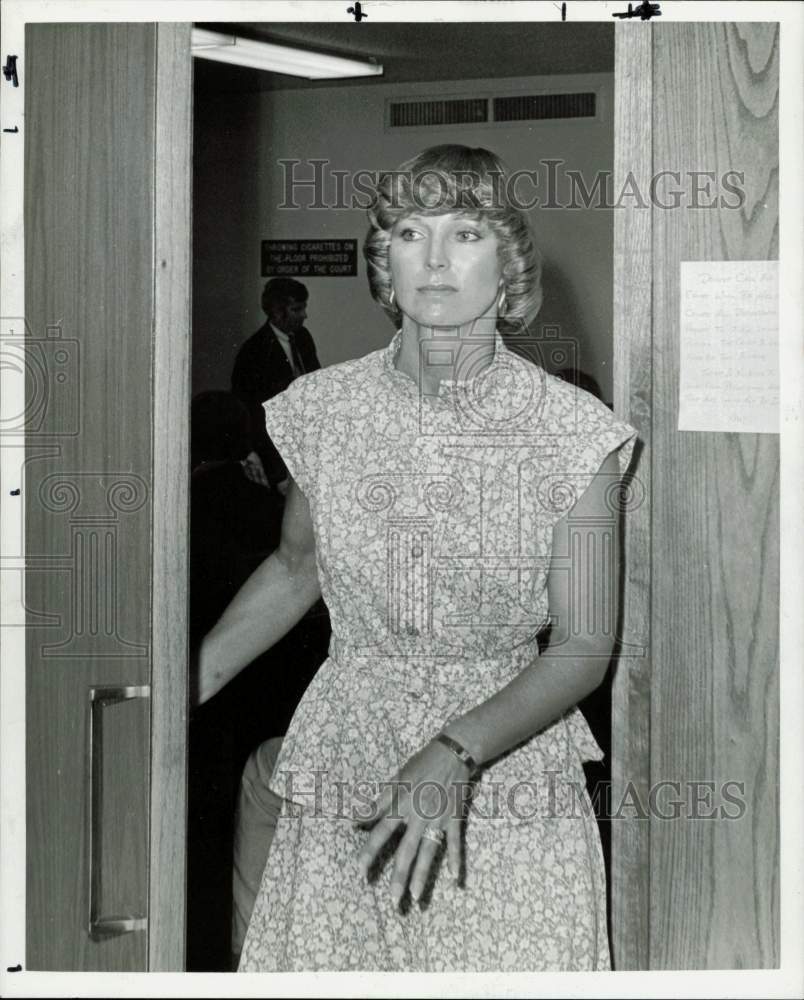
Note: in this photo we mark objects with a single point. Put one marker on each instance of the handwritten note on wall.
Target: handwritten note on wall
(729, 372)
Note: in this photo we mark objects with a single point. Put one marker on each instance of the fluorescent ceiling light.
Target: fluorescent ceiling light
(277, 58)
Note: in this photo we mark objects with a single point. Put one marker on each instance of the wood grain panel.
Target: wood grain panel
(88, 238)
(630, 851)
(714, 882)
(173, 179)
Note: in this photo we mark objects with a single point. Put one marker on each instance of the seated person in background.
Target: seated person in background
(234, 525)
(266, 364)
(258, 809)
(234, 522)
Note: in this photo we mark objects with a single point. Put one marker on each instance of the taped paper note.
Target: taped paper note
(729, 369)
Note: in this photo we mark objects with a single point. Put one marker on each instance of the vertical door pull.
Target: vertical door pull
(104, 926)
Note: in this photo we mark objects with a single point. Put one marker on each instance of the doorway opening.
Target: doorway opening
(540, 96)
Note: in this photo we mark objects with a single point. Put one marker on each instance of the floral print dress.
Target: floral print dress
(433, 519)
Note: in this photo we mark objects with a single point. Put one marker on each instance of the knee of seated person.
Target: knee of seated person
(262, 762)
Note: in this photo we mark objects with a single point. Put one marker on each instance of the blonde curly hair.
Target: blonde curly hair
(474, 182)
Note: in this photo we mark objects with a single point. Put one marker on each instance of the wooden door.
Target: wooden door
(697, 699)
(107, 188)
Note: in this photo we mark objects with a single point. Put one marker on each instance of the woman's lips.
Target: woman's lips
(437, 289)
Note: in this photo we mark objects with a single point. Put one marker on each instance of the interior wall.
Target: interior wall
(239, 184)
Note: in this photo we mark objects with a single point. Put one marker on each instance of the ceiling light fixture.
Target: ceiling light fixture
(277, 58)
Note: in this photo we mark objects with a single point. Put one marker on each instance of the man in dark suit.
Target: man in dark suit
(266, 364)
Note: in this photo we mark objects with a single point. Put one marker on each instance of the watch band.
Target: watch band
(460, 751)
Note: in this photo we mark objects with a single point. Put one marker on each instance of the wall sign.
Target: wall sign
(309, 258)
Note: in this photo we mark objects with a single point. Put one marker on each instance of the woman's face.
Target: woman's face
(444, 268)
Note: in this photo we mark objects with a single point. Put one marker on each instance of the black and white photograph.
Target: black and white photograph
(401, 439)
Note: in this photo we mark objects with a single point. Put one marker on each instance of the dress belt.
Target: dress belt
(419, 667)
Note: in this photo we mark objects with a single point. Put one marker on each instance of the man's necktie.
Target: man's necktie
(298, 366)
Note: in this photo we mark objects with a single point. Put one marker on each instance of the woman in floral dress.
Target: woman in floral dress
(449, 500)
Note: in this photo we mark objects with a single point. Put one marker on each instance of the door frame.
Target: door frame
(632, 332)
(172, 268)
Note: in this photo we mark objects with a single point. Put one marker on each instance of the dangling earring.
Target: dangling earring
(501, 301)
(392, 299)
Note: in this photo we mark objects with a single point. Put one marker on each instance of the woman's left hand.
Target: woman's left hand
(429, 793)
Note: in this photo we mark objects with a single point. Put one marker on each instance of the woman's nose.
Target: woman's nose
(436, 254)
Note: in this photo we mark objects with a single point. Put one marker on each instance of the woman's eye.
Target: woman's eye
(409, 234)
(468, 236)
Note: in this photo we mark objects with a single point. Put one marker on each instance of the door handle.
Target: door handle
(101, 927)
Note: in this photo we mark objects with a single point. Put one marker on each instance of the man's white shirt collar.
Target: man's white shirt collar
(284, 341)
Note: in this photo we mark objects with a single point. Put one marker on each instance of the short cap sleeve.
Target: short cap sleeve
(291, 422)
(587, 433)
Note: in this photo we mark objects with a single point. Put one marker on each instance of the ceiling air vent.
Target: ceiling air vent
(421, 113)
(542, 106)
